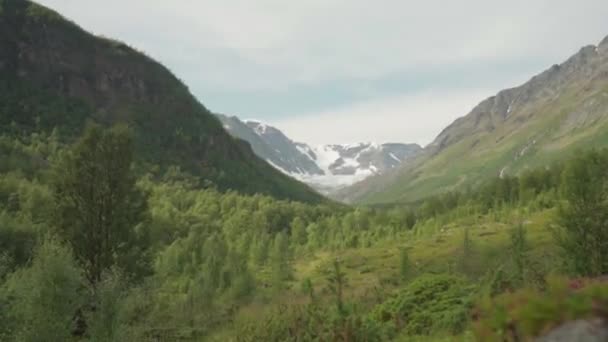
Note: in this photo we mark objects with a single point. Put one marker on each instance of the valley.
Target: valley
(131, 212)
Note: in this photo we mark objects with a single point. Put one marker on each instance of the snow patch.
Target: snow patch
(326, 156)
(260, 127)
(305, 150)
(394, 157)
(278, 167)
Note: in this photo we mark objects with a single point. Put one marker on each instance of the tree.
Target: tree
(519, 249)
(98, 205)
(467, 252)
(336, 283)
(46, 295)
(583, 222)
(279, 258)
(260, 249)
(106, 321)
(313, 232)
(298, 231)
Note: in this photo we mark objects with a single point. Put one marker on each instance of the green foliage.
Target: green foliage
(583, 222)
(405, 267)
(105, 319)
(223, 256)
(98, 206)
(17, 240)
(310, 323)
(527, 313)
(501, 282)
(280, 261)
(44, 297)
(519, 249)
(467, 251)
(428, 305)
(336, 283)
(343, 321)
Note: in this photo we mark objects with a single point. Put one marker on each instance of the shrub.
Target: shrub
(44, 297)
(429, 304)
(529, 313)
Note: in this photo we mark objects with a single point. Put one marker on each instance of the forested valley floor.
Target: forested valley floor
(94, 250)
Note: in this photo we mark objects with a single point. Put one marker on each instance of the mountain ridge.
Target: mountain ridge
(326, 168)
(563, 108)
(56, 76)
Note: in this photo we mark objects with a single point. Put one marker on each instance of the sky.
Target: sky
(347, 71)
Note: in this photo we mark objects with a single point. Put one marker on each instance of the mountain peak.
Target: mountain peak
(325, 167)
(532, 125)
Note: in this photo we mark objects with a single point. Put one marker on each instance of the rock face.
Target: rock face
(548, 86)
(590, 330)
(556, 112)
(55, 75)
(326, 167)
(271, 145)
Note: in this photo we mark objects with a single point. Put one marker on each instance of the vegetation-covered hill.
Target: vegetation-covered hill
(54, 76)
(131, 259)
(557, 112)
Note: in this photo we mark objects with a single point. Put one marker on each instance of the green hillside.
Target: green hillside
(550, 117)
(55, 77)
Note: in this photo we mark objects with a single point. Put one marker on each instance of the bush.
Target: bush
(106, 319)
(429, 304)
(43, 298)
(529, 313)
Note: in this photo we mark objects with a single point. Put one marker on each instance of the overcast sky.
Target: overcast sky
(340, 71)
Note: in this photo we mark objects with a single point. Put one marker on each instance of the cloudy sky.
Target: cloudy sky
(339, 71)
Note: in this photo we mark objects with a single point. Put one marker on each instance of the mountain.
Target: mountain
(561, 110)
(327, 168)
(56, 77)
(271, 145)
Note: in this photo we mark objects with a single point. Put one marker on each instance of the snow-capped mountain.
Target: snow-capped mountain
(325, 167)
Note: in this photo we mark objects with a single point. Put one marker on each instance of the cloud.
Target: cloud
(407, 118)
(294, 61)
(277, 43)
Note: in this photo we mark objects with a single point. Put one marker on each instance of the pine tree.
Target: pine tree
(298, 231)
(337, 282)
(519, 248)
(467, 252)
(280, 263)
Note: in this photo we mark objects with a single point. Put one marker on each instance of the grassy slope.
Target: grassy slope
(433, 247)
(484, 155)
